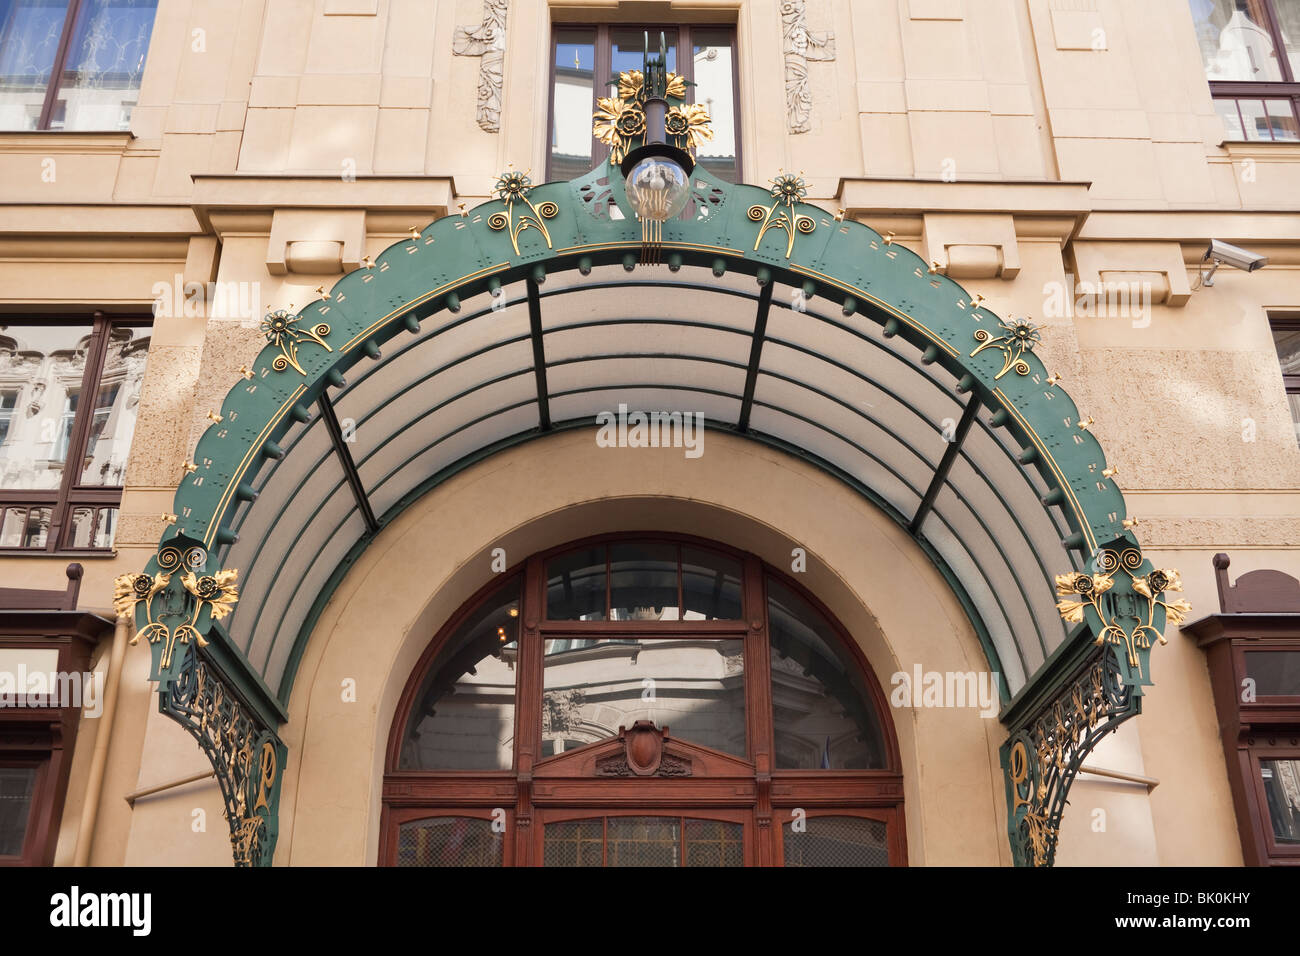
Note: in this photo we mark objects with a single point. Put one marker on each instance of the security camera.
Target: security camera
(1221, 253)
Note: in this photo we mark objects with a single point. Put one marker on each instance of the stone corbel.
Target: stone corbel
(316, 243)
(1111, 272)
(972, 246)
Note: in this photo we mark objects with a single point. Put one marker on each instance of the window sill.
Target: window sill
(106, 553)
(57, 141)
(1261, 149)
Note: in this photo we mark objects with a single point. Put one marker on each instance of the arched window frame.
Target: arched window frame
(510, 796)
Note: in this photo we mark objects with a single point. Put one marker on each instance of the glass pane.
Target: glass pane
(1235, 40)
(627, 51)
(464, 714)
(116, 406)
(715, 70)
(836, 841)
(1282, 790)
(29, 42)
(24, 527)
(714, 843)
(8, 400)
(710, 585)
(643, 582)
(1293, 401)
(1288, 21)
(575, 586)
(1276, 673)
(101, 80)
(574, 843)
(571, 141)
(1255, 120)
(696, 688)
(449, 841)
(822, 713)
(1232, 130)
(16, 786)
(1287, 343)
(42, 367)
(92, 528)
(1281, 121)
(644, 841)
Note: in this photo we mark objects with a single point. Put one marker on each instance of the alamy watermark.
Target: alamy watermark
(207, 300)
(1100, 300)
(651, 430)
(39, 688)
(946, 689)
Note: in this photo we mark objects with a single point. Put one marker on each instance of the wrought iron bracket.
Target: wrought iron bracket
(246, 754)
(1043, 754)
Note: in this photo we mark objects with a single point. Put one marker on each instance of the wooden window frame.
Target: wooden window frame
(71, 493)
(1261, 612)
(60, 65)
(602, 66)
(749, 788)
(1287, 89)
(42, 734)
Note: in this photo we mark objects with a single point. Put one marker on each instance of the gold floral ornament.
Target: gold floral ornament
(281, 330)
(1016, 339)
(513, 187)
(619, 121)
(690, 126)
(787, 189)
(1082, 590)
(218, 592)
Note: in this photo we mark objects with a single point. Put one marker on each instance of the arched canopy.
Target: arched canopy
(533, 313)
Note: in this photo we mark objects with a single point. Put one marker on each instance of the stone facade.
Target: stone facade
(1043, 151)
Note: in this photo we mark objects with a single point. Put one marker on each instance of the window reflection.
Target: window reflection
(1235, 40)
(715, 72)
(1282, 790)
(41, 367)
(822, 713)
(449, 841)
(101, 80)
(464, 714)
(29, 43)
(573, 92)
(696, 688)
(16, 787)
(116, 407)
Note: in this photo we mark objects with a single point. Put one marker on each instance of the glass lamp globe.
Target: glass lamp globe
(658, 188)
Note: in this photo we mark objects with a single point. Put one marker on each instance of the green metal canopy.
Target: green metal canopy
(534, 312)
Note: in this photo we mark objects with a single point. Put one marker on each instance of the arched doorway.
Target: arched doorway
(642, 699)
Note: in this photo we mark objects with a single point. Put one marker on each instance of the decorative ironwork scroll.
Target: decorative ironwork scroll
(281, 330)
(1043, 757)
(245, 753)
(1124, 612)
(488, 41)
(174, 606)
(787, 189)
(1016, 339)
(513, 187)
(801, 45)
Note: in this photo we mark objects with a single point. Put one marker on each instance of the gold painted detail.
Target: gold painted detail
(1082, 591)
(243, 751)
(513, 187)
(1046, 755)
(1016, 339)
(787, 189)
(281, 330)
(217, 592)
(619, 121)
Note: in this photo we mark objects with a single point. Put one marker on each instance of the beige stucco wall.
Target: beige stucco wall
(1021, 142)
